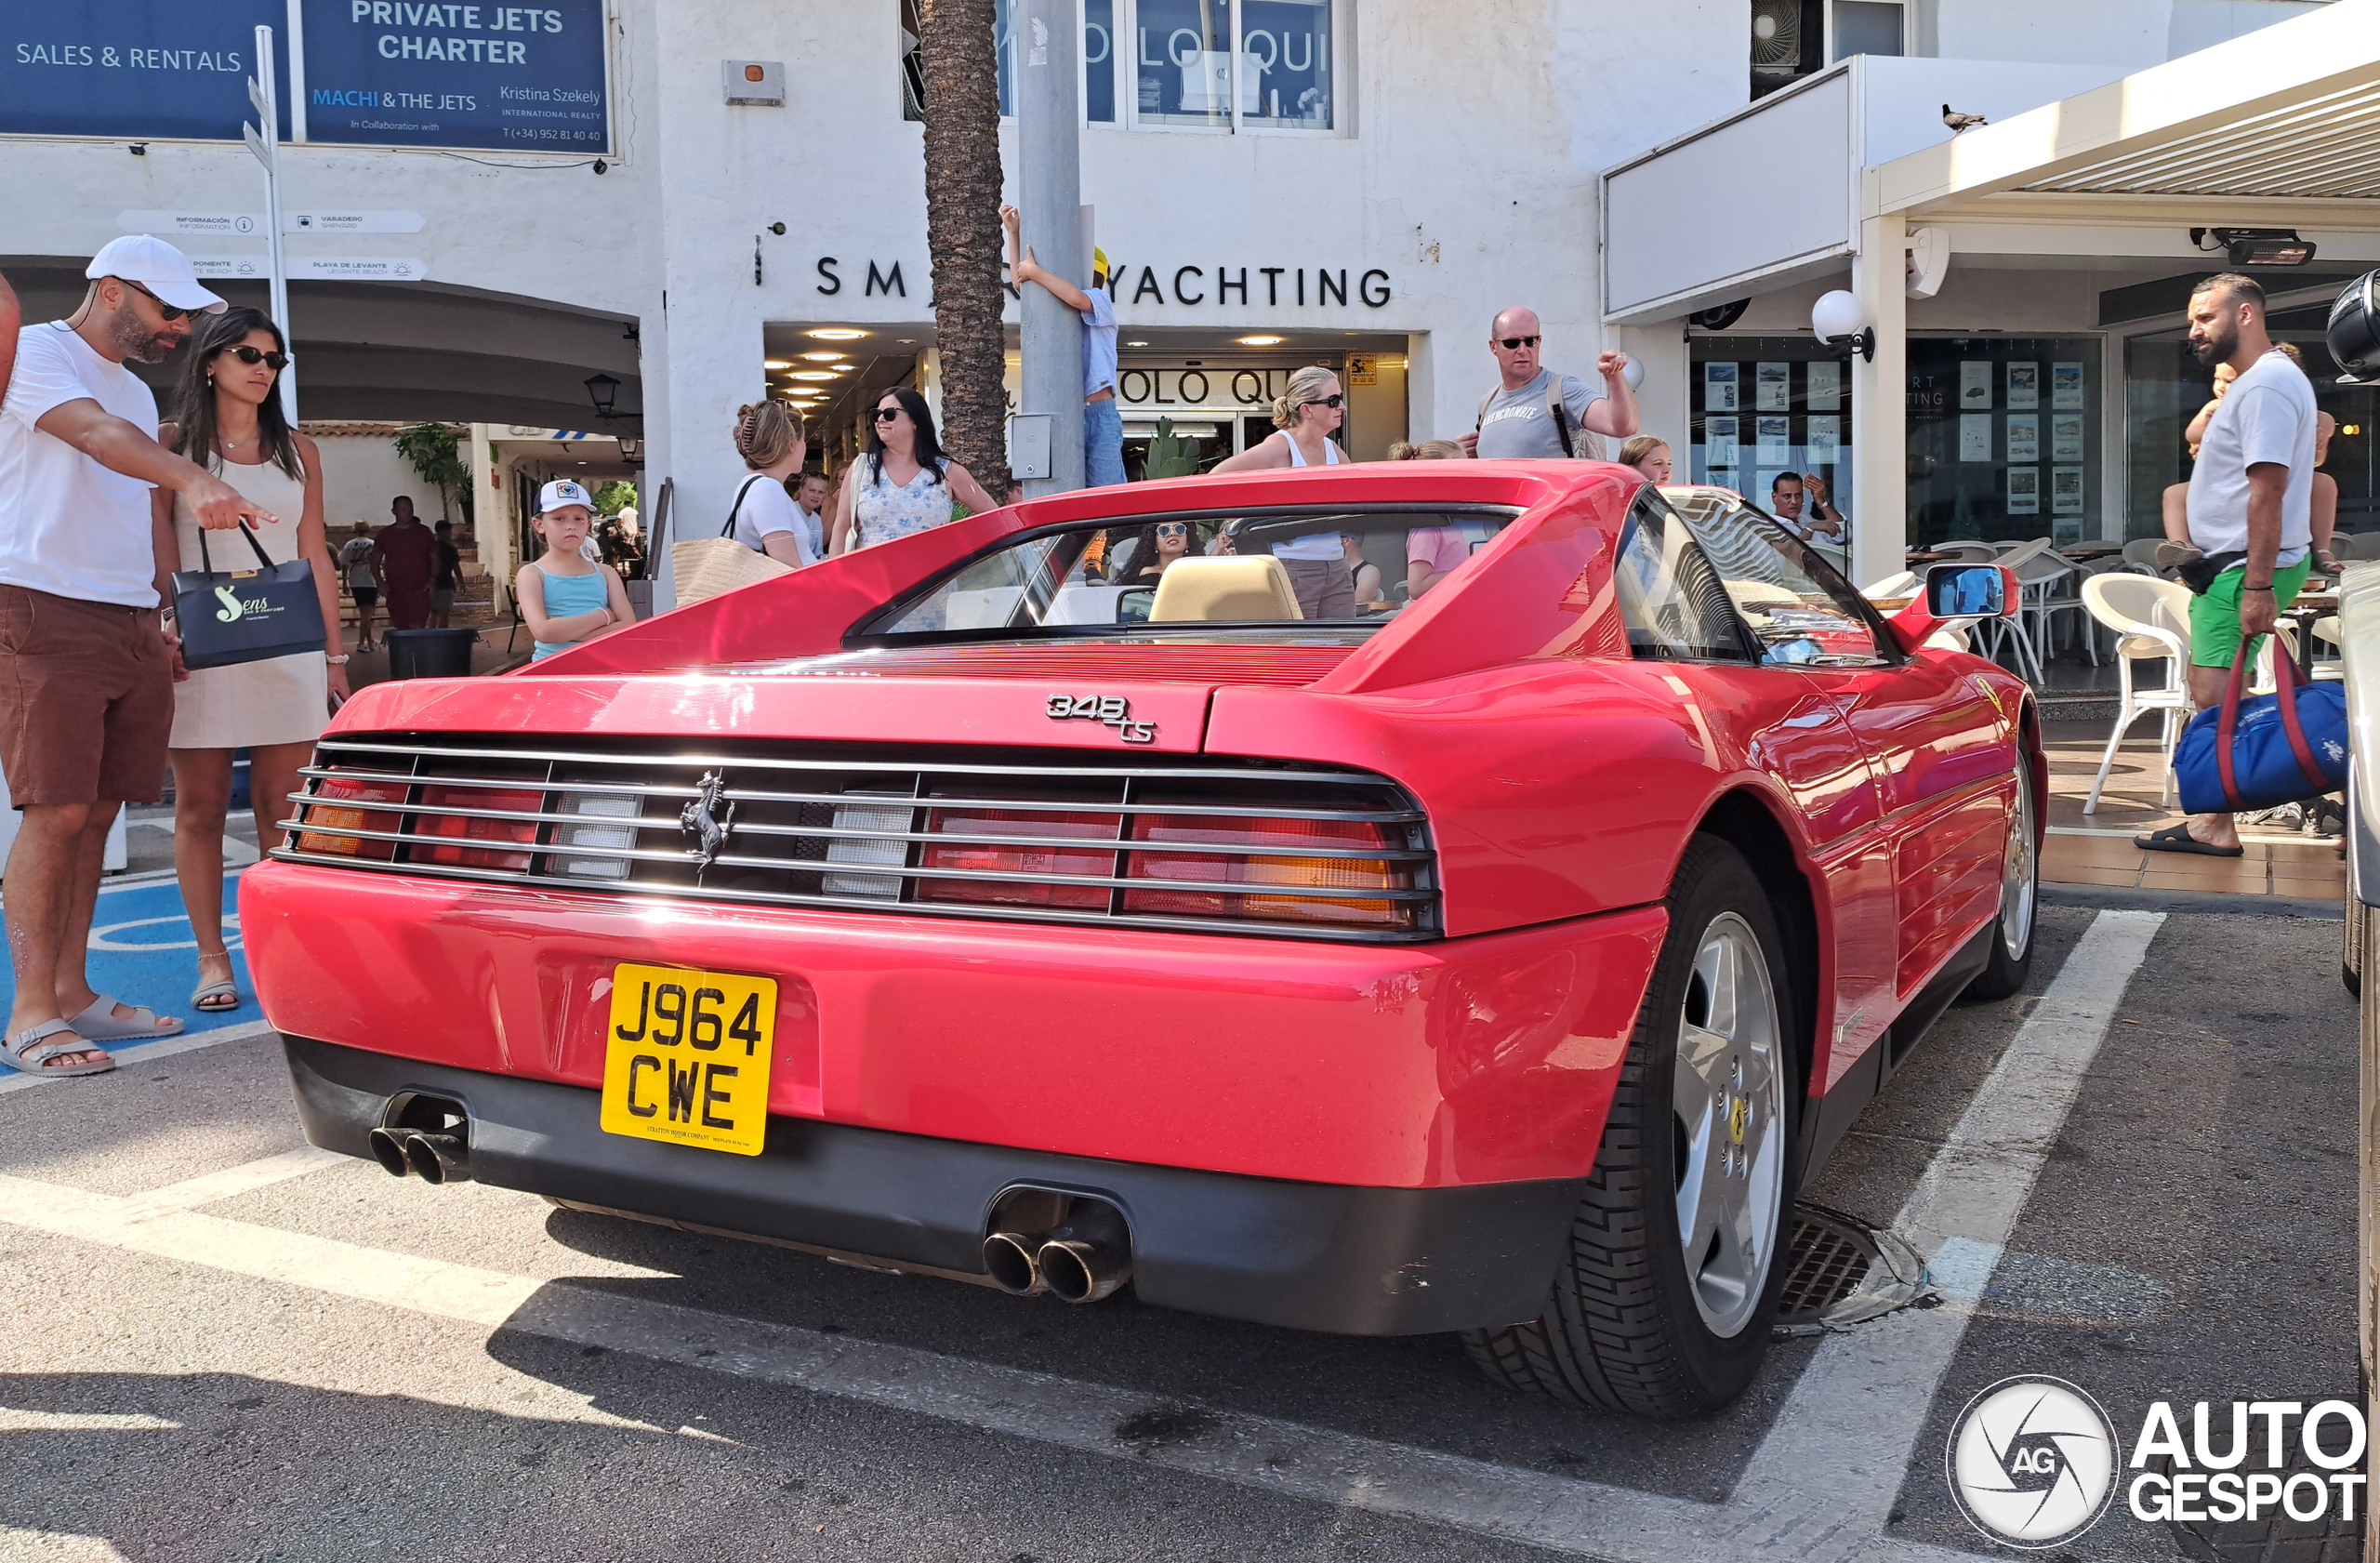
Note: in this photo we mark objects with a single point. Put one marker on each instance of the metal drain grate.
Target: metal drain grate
(1839, 1270)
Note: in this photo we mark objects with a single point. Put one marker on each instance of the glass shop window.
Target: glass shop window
(1097, 57)
(2003, 439)
(1233, 64)
(1763, 407)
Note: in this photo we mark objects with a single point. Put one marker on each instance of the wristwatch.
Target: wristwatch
(338, 661)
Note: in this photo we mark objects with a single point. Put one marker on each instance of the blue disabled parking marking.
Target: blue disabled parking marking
(144, 952)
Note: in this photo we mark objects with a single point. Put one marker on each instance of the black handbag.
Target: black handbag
(231, 616)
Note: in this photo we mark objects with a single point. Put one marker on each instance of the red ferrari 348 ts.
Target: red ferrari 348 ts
(1056, 901)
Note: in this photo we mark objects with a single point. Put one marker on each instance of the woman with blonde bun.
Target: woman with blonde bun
(1428, 450)
(769, 437)
(1648, 454)
(1306, 414)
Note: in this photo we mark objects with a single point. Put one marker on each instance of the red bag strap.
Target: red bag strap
(2227, 721)
(2289, 683)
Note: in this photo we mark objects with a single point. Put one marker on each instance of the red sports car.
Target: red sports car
(1492, 949)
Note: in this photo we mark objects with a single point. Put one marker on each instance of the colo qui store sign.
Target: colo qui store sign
(374, 73)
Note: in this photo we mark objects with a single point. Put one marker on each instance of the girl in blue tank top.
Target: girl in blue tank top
(565, 598)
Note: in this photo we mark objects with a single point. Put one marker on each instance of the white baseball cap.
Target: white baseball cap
(561, 492)
(157, 266)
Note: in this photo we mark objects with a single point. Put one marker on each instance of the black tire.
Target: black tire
(1622, 1328)
(2013, 930)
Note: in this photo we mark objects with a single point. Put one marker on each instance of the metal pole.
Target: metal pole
(263, 91)
(1049, 140)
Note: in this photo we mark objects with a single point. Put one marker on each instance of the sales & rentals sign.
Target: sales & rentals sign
(377, 73)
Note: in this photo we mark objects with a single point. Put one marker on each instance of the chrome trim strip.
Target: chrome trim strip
(712, 762)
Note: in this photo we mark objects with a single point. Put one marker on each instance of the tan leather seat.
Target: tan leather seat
(1237, 590)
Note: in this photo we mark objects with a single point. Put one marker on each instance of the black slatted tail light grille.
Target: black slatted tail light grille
(1214, 848)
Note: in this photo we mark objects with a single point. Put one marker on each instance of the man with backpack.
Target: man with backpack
(1525, 418)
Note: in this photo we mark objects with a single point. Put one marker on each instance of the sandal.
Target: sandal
(2173, 555)
(26, 1051)
(99, 1023)
(214, 997)
(2178, 837)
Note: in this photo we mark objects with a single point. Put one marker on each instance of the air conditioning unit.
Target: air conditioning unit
(1786, 42)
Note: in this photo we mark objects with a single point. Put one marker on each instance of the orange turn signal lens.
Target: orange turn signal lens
(324, 820)
(1238, 881)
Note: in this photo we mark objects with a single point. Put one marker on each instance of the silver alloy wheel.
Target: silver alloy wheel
(2020, 875)
(1729, 1093)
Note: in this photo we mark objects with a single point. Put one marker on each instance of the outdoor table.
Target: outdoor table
(2309, 609)
(2090, 550)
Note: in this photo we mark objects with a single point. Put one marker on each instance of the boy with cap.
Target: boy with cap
(86, 686)
(565, 597)
(1103, 425)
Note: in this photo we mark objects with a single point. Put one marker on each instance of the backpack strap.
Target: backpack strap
(1480, 421)
(1560, 413)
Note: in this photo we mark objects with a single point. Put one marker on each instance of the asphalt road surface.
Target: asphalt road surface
(224, 1347)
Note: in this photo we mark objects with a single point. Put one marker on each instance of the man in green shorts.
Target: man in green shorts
(2249, 511)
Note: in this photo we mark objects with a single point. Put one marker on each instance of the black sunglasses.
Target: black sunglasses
(886, 414)
(276, 361)
(1337, 399)
(1515, 343)
(171, 312)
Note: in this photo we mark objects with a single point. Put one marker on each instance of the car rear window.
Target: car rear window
(1300, 573)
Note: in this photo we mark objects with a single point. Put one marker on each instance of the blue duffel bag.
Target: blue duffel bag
(2266, 751)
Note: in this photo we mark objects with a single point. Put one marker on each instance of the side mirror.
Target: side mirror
(1955, 591)
(1133, 604)
(1967, 591)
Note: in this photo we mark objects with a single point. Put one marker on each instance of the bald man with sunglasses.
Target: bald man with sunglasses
(1521, 419)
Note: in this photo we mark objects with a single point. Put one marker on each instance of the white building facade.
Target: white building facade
(1277, 182)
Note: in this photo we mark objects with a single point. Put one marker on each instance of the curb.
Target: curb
(2112, 898)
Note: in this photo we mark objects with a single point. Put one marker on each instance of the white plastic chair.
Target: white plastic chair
(2151, 620)
(2142, 551)
(2050, 583)
(1968, 553)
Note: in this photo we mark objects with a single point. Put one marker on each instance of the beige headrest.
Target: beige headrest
(1230, 589)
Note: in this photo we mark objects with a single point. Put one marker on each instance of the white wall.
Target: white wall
(2127, 34)
(2201, 24)
(362, 473)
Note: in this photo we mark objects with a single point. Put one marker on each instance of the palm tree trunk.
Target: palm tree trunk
(963, 234)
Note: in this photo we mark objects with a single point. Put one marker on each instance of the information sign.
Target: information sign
(312, 268)
(378, 72)
(230, 225)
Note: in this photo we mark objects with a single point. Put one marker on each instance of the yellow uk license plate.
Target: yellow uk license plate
(686, 1057)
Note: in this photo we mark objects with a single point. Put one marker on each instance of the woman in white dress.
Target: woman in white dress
(228, 418)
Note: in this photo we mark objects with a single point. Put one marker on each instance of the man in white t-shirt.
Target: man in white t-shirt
(86, 683)
(810, 507)
(2250, 511)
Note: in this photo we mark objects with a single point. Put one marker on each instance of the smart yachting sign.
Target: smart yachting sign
(376, 72)
(2034, 1461)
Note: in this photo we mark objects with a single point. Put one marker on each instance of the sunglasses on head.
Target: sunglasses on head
(276, 361)
(1513, 344)
(171, 312)
(1336, 399)
(886, 414)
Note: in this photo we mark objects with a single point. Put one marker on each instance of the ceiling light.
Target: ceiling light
(812, 375)
(1136, 344)
(775, 363)
(1259, 341)
(837, 334)
(814, 358)
(2255, 246)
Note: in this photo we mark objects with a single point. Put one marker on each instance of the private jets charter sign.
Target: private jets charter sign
(2034, 1461)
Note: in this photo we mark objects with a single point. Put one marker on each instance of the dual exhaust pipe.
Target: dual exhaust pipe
(1086, 1254)
(414, 1152)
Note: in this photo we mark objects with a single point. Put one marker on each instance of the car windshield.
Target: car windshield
(1300, 573)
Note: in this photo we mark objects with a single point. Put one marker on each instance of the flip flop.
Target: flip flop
(26, 1051)
(99, 1023)
(2178, 837)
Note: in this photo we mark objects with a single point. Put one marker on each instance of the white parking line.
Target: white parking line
(1820, 1487)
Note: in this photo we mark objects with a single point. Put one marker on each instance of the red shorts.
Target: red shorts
(86, 700)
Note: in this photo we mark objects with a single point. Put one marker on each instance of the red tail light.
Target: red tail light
(1089, 861)
(461, 828)
(324, 818)
(1237, 882)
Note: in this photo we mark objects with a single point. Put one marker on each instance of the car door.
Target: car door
(1687, 594)
(1937, 741)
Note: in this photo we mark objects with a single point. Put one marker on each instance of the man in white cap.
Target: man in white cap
(86, 683)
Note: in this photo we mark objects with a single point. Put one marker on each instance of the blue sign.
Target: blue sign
(144, 952)
(378, 72)
(133, 70)
(521, 78)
